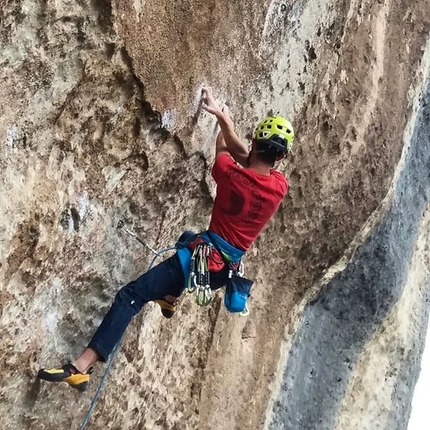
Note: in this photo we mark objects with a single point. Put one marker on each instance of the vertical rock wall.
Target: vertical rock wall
(365, 313)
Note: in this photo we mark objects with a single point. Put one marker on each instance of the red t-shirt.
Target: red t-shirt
(245, 201)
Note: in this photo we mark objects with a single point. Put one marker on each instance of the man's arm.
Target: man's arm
(227, 139)
(220, 146)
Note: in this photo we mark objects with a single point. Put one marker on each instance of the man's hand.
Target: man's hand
(208, 102)
(228, 139)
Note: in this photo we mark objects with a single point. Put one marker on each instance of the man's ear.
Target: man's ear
(280, 157)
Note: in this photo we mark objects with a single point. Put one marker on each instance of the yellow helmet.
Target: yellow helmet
(277, 132)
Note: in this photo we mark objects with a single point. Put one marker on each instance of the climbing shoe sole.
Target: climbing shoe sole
(67, 373)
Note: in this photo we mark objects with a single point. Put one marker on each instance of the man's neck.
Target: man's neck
(259, 166)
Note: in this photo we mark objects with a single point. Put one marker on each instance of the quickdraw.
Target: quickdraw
(199, 279)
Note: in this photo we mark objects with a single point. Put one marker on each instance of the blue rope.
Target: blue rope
(113, 354)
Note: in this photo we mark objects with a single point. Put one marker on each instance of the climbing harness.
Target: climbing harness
(121, 225)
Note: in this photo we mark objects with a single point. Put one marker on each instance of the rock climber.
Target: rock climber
(249, 192)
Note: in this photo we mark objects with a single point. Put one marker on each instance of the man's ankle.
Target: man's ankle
(86, 360)
(80, 367)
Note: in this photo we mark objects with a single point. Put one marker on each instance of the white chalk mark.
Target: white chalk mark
(83, 202)
(12, 136)
(168, 119)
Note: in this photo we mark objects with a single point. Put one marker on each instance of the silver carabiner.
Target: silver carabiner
(191, 282)
(203, 295)
(241, 269)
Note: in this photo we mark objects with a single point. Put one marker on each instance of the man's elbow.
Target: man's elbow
(241, 158)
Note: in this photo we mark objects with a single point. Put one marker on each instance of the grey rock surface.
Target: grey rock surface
(339, 322)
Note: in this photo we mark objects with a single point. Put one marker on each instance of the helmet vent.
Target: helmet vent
(280, 127)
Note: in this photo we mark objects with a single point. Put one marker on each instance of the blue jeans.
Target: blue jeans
(164, 279)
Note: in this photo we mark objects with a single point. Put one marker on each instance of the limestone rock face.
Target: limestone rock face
(100, 122)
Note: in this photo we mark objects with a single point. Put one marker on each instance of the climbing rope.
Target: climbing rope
(157, 254)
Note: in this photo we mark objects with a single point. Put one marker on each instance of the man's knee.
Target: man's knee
(125, 298)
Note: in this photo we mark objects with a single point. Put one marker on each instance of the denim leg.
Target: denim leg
(165, 278)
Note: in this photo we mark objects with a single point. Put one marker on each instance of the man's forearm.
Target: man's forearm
(236, 148)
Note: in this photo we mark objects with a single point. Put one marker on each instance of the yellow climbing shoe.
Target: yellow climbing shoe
(68, 373)
(167, 309)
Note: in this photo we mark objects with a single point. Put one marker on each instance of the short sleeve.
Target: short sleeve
(223, 163)
(282, 181)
